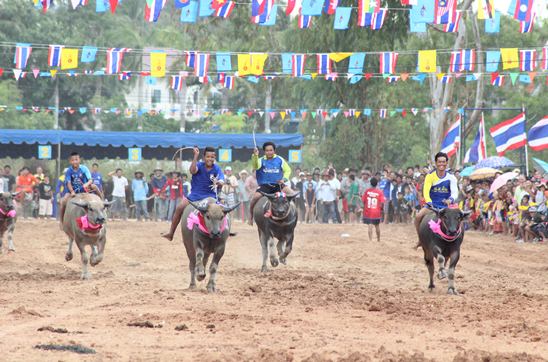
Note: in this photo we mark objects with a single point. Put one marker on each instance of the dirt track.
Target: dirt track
(337, 298)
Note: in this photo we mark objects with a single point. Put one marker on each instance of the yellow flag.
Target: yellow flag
(69, 58)
(427, 61)
(257, 63)
(486, 9)
(440, 76)
(510, 58)
(158, 64)
(282, 114)
(244, 64)
(53, 72)
(337, 57)
(357, 114)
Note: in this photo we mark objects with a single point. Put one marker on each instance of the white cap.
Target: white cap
(228, 168)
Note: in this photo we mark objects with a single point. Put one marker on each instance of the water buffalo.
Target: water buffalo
(83, 223)
(8, 217)
(206, 227)
(276, 217)
(440, 234)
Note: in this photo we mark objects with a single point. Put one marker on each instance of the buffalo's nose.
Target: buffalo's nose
(215, 234)
(100, 220)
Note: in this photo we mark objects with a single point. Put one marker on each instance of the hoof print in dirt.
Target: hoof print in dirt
(144, 324)
(76, 348)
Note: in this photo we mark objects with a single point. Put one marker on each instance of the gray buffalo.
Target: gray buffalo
(83, 223)
(7, 219)
(205, 233)
(441, 234)
(276, 217)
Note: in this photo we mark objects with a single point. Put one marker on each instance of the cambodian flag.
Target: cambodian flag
(445, 11)
(305, 21)
(225, 10)
(54, 55)
(114, 59)
(201, 64)
(453, 27)
(538, 135)
(176, 83)
(478, 150)
(527, 26)
(153, 12)
(510, 134)
(229, 82)
(388, 62)
(522, 11)
(22, 54)
(451, 140)
(324, 63)
(190, 57)
(527, 60)
(297, 68)
(377, 20)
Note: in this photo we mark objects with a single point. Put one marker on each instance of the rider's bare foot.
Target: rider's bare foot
(168, 236)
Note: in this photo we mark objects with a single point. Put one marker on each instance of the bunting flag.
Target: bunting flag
(446, 78)
(176, 83)
(88, 54)
(486, 9)
(451, 140)
(224, 63)
(257, 7)
(311, 7)
(538, 135)
(382, 112)
(527, 26)
(179, 4)
(544, 59)
(298, 61)
(228, 82)
(54, 55)
(216, 4)
(205, 9)
(114, 59)
(510, 134)
(363, 9)
(290, 7)
(445, 11)
(324, 63)
(377, 20)
(510, 58)
(153, 8)
(69, 58)
(331, 77)
(492, 60)
(190, 58)
(305, 21)
(427, 61)
(257, 63)
(478, 149)
(158, 64)
(342, 17)
(330, 6)
(201, 65)
(523, 9)
(497, 79)
(355, 64)
(189, 14)
(46, 4)
(124, 76)
(528, 60)
(225, 10)
(263, 16)
(388, 62)
(453, 27)
(492, 25)
(467, 60)
(244, 64)
(22, 54)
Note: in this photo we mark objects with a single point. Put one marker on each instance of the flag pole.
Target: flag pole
(526, 144)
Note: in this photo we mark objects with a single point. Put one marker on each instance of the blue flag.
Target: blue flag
(419, 77)
(524, 78)
(492, 60)
(271, 17)
(224, 63)
(415, 27)
(492, 26)
(355, 64)
(423, 12)
(367, 112)
(342, 17)
(88, 54)
(101, 6)
(355, 79)
(253, 79)
(312, 7)
(287, 63)
(205, 8)
(189, 14)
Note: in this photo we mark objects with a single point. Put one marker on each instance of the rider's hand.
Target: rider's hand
(256, 151)
(196, 152)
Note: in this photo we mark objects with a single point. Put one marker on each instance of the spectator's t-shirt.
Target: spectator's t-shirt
(140, 189)
(9, 180)
(97, 180)
(373, 199)
(202, 181)
(77, 178)
(25, 183)
(44, 189)
(119, 183)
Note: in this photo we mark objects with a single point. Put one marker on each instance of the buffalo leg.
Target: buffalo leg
(85, 259)
(11, 247)
(442, 274)
(455, 255)
(191, 262)
(1, 243)
(212, 284)
(430, 265)
(272, 251)
(264, 247)
(200, 270)
(68, 255)
(98, 252)
(286, 250)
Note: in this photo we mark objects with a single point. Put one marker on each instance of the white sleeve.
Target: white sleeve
(454, 189)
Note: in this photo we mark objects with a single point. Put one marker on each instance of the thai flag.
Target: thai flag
(262, 17)
(124, 76)
(446, 79)
(451, 140)
(527, 26)
(225, 10)
(269, 77)
(527, 60)
(324, 63)
(229, 82)
(522, 11)
(538, 135)
(305, 21)
(46, 4)
(257, 7)
(297, 68)
(445, 11)
(290, 7)
(54, 55)
(114, 59)
(388, 62)
(22, 54)
(510, 134)
(152, 13)
(330, 6)
(201, 65)
(468, 60)
(544, 59)
(383, 112)
(377, 20)
(478, 150)
(455, 61)
(497, 80)
(453, 27)
(393, 78)
(176, 83)
(190, 58)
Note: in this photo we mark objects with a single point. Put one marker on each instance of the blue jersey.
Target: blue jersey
(78, 178)
(270, 171)
(202, 182)
(437, 190)
(97, 180)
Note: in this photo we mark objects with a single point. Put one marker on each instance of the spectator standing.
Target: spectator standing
(187, 188)
(158, 183)
(310, 201)
(39, 175)
(175, 193)
(97, 177)
(45, 190)
(327, 196)
(120, 184)
(139, 186)
(229, 191)
(244, 195)
(352, 197)
(336, 184)
(9, 179)
(25, 184)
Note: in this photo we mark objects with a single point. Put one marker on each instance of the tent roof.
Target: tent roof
(144, 139)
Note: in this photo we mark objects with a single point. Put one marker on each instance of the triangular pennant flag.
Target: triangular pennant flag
(113, 5)
(53, 72)
(17, 73)
(357, 114)
(440, 75)
(272, 115)
(313, 114)
(404, 76)
(261, 114)
(282, 114)
(514, 77)
(392, 113)
(532, 75)
(337, 57)
(313, 75)
(36, 72)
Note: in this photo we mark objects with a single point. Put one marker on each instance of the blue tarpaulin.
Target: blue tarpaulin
(145, 139)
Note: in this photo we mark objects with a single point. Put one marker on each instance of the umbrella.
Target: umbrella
(467, 171)
(494, 162)
(542, 164)
(483, 173)
(502, 180)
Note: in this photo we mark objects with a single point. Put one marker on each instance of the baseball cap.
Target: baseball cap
(228, 168)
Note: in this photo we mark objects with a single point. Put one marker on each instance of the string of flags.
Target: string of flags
(370, 14)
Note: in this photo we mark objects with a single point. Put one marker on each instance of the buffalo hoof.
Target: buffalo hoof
(85, 276)
(264, 269)
(94, 261)
(192, 286)
(68, 256)
(452, 291)
(442, 274)
(274, 262)
(211, 289)
(283, 261)
(431, 287)
(200, 277)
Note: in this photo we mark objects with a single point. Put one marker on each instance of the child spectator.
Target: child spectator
(46, 194)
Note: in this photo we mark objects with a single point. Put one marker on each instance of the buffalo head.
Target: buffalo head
(95, 210)
(213, 215)
(280, 203)
(6, 200)
(451, 218)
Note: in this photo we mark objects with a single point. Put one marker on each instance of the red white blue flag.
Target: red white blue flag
(478, 149)
(225, 10)
(190, 57)
(176, 83)
(124, 76)
(257, 7)
(114, 59)
(290, 7)
(305, 21)
(453, 27)
(497, 79)
(510, 134)
(383, 112)
(54, 55)
(22, 54)
(538, 135)
(451, 140)
(46, 4)
(467, 60)
(263, 16)
(201, 65)
(324, 63)
(388, 62)
(544, 59)
(330, 6)
(152, 12)
(527, 26)
(297, 67)
(377, 19)
(527, 60)
(522, 11)
(446, 11)
(229, 82)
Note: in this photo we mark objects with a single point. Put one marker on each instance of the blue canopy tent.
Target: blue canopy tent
(16, 143)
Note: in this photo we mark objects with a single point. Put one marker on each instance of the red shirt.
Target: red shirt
(373, 199)
(174, 189)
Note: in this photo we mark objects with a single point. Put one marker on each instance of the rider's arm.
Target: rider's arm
(255, 163)
(193, 166)
(454, 189)
(426, 189)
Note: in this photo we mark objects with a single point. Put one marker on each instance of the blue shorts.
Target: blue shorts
(369, 221)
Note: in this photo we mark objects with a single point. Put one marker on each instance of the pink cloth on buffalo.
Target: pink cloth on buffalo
(85, 225)
(11, 213)
(435, 226)
(197, 219)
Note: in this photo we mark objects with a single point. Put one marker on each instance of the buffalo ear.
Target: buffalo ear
(84, 205)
